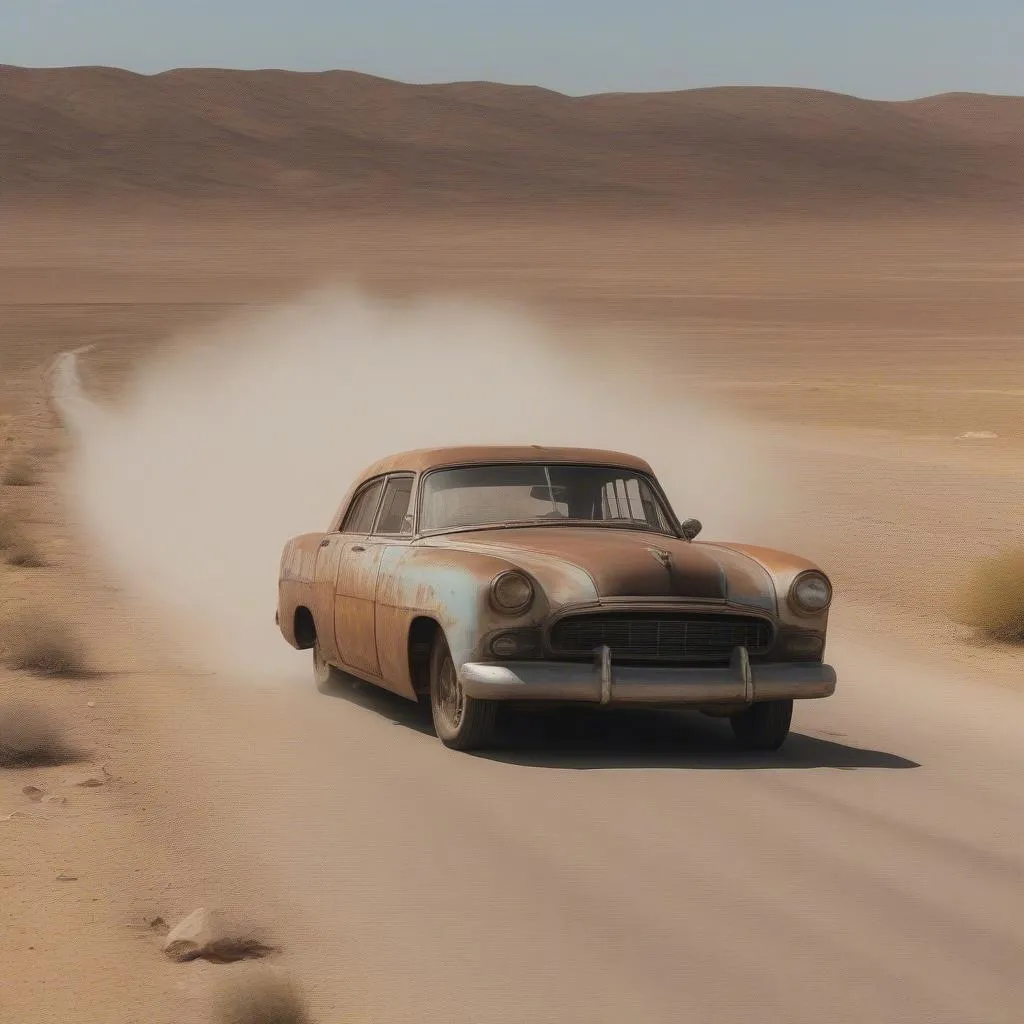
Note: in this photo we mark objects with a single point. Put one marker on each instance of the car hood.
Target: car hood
(622, 563)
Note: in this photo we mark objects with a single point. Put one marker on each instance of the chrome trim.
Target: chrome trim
(587, 683)
(740, 664)
(604, 672)
(617, 606)
(519, 609)
(657, 603)
(796, 605)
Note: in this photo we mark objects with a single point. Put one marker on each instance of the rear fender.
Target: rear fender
(296, 573)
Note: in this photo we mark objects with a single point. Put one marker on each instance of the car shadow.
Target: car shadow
(641, 738)
(583, 738)
(381, 702)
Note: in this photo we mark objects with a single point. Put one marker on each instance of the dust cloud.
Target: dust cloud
(232, 440)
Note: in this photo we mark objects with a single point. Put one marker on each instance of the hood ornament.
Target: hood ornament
(664, 557)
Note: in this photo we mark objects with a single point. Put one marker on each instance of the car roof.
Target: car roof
(422, 459)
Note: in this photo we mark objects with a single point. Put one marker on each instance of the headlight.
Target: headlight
(811, 592)
(511, 592)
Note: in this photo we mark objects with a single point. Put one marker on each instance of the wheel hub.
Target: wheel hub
(450, 698)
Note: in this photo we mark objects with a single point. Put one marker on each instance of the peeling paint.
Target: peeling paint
(366, 592)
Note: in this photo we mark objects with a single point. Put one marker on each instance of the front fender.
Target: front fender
(453, 589)
(784, 567)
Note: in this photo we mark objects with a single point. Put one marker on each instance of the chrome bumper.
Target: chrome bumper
(603, 683)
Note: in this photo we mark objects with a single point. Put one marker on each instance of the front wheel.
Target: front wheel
(763, 726)
(461, 722)
(325, 675)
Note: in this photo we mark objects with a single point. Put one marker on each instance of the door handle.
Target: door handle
(357, 547)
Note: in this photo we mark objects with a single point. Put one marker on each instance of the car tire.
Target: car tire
(325, 675)
(461, 722)
(763, 726)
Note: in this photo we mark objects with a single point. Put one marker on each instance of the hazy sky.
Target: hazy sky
(894, 49)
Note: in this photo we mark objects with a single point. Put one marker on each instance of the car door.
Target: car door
(331, 561)
(355, 606)
(393, 533)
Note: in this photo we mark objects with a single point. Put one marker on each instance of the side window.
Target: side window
(622, 500)
(359, 517)
(395, 507)
(632, 499)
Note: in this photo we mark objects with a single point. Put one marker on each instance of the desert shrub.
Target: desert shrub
(25, 555)
(261, 999)
(28, 737)
(21, 471)
(992, 598)
(36, 641)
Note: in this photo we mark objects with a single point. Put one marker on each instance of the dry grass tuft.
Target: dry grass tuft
(35, 641)
(261, 999)
(10, 534)
(29, 738)
(21, 471)
(992, 599)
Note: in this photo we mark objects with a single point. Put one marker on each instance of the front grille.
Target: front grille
(660, 636)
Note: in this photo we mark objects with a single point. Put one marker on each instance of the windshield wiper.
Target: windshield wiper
(603, 524)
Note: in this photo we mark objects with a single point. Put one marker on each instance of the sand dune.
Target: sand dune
(343, 139)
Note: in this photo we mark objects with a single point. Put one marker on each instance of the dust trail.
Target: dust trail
(235, 439)
(78, 412)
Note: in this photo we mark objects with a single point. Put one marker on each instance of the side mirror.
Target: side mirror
(690, 528)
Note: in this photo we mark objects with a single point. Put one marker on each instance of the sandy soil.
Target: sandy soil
(871, 872)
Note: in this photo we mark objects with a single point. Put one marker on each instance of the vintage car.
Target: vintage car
(470, 577)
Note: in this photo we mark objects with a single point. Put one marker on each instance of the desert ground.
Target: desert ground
(846, 383)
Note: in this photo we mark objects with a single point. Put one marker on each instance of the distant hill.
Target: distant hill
(344, 139)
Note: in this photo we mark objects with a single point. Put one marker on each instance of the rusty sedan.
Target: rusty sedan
(472, 577)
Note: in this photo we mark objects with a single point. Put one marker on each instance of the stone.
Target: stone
(208, 935)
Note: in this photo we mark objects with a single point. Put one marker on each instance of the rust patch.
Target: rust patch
(365, 592)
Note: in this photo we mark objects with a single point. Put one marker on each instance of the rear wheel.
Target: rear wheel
(763, 726)
(461, 722)
(325, 675)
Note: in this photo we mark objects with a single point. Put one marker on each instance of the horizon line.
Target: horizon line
(524, 86)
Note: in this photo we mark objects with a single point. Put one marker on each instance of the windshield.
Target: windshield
(534, 494)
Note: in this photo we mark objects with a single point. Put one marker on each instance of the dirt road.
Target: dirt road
(640, 870)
